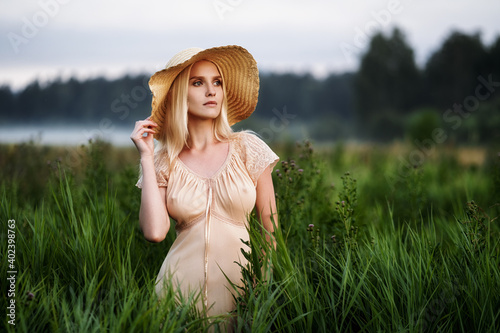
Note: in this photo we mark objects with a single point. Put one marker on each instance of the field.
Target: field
(372, 238)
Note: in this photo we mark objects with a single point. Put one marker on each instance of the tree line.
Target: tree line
(388, 97)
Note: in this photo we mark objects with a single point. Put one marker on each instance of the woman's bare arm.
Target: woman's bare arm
(265, 203)
(153, 214)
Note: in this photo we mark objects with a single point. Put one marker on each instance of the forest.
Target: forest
(388, 98)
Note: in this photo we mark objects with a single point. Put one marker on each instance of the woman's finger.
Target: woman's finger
(146, 123)
(141, 126)
(145, 128)
(140, 133)
(148, 131)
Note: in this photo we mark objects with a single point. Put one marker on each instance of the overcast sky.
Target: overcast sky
(48, 38)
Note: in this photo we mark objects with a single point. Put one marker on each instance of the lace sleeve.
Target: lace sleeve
(258, 156)
(161, 179)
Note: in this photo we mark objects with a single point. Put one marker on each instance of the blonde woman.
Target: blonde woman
(202, 174)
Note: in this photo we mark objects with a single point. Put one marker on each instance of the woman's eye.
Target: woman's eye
(217, 83)
(197, 83)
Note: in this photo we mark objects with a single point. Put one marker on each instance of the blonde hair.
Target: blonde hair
(175, 133)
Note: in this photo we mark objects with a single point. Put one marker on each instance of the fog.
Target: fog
(65, 135)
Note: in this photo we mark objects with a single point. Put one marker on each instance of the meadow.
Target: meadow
(368, 241)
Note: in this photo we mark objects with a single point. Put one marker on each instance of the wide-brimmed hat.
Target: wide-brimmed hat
(239, 70)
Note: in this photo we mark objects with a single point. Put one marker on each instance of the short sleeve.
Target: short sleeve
(161, 179)
(258, 155)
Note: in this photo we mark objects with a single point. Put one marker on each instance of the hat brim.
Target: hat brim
(241, 82)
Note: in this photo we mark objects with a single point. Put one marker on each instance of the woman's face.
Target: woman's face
(205, 94)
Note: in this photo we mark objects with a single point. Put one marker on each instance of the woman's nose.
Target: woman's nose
(210, 90)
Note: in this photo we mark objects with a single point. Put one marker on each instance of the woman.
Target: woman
(202, 174)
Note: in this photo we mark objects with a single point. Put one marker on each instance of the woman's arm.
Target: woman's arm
(265, 203)
(153, 215)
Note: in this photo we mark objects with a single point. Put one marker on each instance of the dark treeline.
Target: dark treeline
(457, 90)
(388, 97)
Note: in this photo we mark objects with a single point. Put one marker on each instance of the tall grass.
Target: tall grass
(354, 253)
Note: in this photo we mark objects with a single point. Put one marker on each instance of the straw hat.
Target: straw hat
(241, 80)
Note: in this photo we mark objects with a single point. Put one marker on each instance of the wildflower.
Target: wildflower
(310, 227)
(30, 295)
(300, 170)
(334, 239)
(343, 203)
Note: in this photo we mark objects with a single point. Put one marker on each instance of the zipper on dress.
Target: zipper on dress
(207, 240)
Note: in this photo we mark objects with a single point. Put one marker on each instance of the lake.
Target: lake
(72, 135)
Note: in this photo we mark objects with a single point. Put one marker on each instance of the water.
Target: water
(70, 135)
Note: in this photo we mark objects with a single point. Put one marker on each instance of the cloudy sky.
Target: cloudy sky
(44, 39)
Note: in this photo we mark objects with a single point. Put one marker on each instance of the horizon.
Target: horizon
(44, 39)
(318, 75)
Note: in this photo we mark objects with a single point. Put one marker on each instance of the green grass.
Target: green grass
(420, 254)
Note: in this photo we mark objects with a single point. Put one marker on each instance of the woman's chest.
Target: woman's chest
(231, 194)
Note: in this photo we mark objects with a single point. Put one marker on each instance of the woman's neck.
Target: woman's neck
(201, 134)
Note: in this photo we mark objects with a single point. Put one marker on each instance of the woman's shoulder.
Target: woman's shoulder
(162, 164)
(255, 153)
(250, 144)
(242, 141)
(248, 138)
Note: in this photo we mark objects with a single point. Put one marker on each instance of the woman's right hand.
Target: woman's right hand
(144, 143)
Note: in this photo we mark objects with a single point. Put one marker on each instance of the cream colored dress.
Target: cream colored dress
(211, 219)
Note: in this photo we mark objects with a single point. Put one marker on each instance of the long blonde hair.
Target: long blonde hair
(175, 134)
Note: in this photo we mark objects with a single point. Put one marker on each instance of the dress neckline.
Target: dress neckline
(219, 170)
